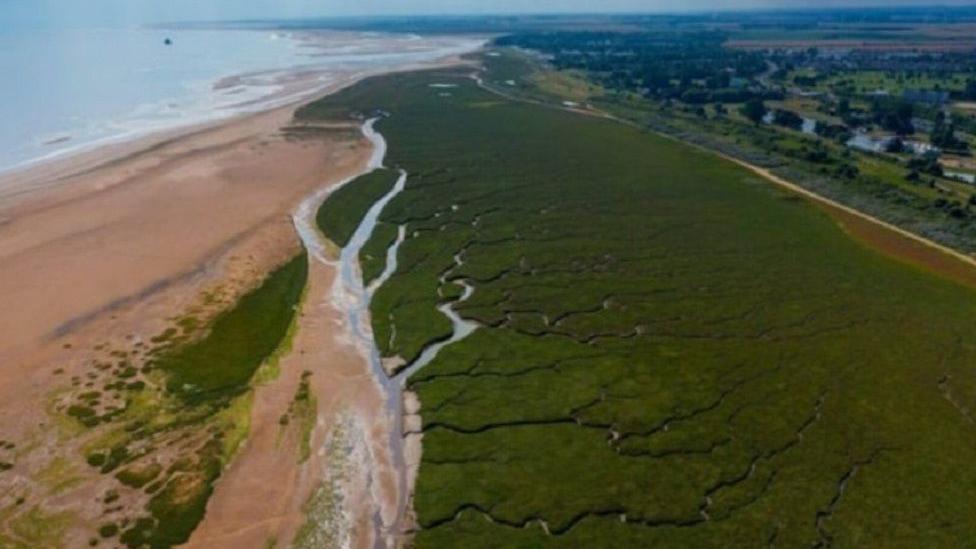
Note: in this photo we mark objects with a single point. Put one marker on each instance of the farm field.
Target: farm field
(911, 37)
(862, 82)
(670, 349)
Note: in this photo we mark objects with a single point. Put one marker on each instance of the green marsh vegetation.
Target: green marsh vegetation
(672, 351)
(340, 215)
(372, 257)
(239, 340)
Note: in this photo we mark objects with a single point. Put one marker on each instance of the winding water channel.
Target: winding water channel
(349, 293)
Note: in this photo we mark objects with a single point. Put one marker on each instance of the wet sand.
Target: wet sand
(150, 220)
(262, 495)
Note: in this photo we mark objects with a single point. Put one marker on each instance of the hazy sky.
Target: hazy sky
(127, 12)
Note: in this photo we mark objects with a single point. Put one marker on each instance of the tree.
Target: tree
(847, 114)
(843, 107)
(927, 163)
(894, 116)
(896, 145)
(754, 109)
(970, 91)
(787, 118)
(847, 171)
(944, 134)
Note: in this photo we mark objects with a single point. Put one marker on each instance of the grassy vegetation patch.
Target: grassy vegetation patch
(240, 339)
(138, 476)
(344, 209)
(302, 412)
(372, 256)
(37, 528)
(670, 354)
(59, 475)
(270, 368)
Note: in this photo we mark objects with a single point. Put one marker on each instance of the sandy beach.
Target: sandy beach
(263, 494)
(103, 249)
(108, 256)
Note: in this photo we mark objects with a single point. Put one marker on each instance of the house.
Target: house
(921, 148)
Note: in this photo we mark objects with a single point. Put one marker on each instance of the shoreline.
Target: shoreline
(279, 91)
(44, 174)
(108, 248)
(319, 60)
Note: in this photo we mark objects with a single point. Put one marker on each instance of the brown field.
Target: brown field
(900, 247)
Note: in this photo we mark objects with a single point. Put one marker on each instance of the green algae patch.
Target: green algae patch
(234, 422)
(240, 339)
(301, 414)
(305, 408)
(137, 476)
(344, 209)
(59, 475)
(209, 379)
(37, 528)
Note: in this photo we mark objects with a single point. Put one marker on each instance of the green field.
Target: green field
(672, 351)
(895, 83)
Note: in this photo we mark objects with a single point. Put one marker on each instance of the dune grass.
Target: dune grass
(673, 352)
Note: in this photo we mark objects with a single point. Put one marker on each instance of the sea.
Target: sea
(71, 89)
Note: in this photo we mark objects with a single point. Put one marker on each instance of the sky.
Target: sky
(135, 12)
